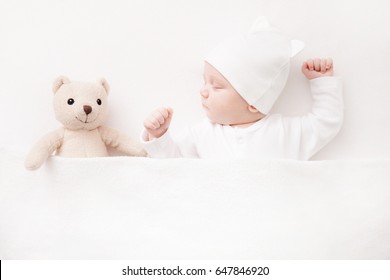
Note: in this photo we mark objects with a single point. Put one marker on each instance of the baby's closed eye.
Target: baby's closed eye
(217, 86)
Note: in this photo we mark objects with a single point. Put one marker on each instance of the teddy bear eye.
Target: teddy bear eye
(99, 102)
(70, 101)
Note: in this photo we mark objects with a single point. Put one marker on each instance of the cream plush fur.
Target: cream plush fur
(82, 108)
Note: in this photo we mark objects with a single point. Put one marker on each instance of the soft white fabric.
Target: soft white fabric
(141, 208)
(256, 63)
(274, 136)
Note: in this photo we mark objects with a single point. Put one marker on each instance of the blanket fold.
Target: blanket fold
(141, 208)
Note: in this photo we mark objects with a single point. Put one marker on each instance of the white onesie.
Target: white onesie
(274, 136)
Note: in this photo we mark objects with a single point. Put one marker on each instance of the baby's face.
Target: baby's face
(221, 102)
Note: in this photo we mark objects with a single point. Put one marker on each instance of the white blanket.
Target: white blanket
(140, 208)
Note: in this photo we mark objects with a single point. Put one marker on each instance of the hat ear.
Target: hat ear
(261, 23)
(104, 84)
(59, 82)
(296, 47)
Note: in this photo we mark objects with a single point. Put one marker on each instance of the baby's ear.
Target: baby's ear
(104, 83)
(296, 47)
(59, 82)
(252, 109)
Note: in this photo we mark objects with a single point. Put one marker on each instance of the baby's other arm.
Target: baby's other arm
(157, 123)
(158, 141)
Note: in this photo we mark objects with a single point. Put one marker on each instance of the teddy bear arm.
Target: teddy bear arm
(45, 147)
(120, 142)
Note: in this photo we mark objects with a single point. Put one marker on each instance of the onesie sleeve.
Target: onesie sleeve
(312, 132)
(172, 146)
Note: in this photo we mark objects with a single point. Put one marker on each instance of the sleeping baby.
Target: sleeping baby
(243, 77)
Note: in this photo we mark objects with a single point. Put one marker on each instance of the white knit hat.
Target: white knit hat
(256, 63)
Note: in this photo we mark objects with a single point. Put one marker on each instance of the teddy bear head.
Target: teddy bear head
(80, 105)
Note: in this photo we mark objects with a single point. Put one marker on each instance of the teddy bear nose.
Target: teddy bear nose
(87, 109)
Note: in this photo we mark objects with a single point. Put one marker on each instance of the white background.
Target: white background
(151, 53)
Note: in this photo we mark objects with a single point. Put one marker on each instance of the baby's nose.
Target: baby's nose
(204, 92)
(87, 109)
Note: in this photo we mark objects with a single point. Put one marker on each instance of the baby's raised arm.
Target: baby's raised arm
(317, 68)
(157, 123)
(323, 122)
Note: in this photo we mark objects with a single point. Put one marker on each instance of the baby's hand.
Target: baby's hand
(316, 68)
(157, 123)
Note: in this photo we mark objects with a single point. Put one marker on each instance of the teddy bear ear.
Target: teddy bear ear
(105, 84)
(59, 82)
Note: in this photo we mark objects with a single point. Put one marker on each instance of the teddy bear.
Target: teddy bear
(81, 107)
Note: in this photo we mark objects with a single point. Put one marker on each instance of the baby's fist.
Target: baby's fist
(157, 123)
(316, 68)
